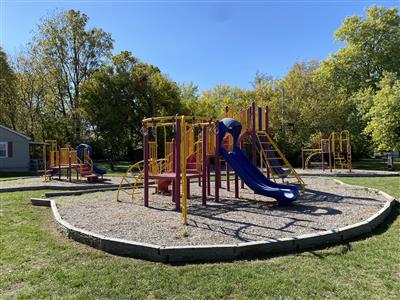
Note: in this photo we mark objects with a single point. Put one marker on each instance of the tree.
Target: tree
(70, 53)
(8, 93)
(384, 114)
(372, 46)
(189, 94)
(119, 95)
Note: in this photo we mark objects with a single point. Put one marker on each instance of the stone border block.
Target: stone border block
(264, 248)
(132, 249)
(307, 241)
(40, 202)
(203, 253)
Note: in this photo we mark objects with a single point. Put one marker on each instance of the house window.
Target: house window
(3, 149)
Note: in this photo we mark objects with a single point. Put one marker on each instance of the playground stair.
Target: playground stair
(273, 158)
(85, 171)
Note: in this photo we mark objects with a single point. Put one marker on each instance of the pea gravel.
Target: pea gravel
(325, 205)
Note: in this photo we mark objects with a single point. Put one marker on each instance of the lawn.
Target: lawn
(37, 262)
(120, 167)
(374, 164)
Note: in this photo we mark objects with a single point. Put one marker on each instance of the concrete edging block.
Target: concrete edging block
(203, 253)
(40, 202)
(132, 249)
(355, 230)
(267, 247)
(307, 241)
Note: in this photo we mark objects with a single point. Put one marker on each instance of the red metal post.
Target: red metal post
(208, 177)
(227, 168)
(69, 173)
(178, 164)
(322, 155)
(204, 164)
(330, 154)
(59, 162)
(236, 186)
(146, 165)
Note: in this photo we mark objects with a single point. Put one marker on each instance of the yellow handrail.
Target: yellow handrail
(282, 157)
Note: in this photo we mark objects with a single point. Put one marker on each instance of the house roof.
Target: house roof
(16, 132)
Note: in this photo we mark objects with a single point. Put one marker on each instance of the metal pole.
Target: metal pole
(236, 186)
(69, 173)
(178, 165)
(204, 164)
(217, 166)
(227, 167)
(146, 165)
(241, 181)
(59, 162)
(185, 182)
(267, 131)
(322, 155)
(253, 135)
(173, 170)
(330, 153)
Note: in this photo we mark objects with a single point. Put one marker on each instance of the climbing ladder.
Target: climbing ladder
(272, 158)
(341, 156)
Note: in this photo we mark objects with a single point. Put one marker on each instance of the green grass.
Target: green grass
(36, 262)
(374, 164)
(120, 167)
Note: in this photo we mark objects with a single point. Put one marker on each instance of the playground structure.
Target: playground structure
(192, 144)
(332, 152)
(56, 159)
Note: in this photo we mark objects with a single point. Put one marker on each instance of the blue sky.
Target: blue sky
(207, 42)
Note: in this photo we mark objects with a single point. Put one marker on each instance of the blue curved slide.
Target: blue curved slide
(248, 172)
(96, 169)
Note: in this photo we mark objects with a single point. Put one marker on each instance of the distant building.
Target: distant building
(14, 151)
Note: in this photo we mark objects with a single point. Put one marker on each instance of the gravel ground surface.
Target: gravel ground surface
(325, 205)
(38, 181)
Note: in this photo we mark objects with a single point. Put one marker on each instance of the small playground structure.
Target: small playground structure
(57, 159)
(333, 152)
(192, 147)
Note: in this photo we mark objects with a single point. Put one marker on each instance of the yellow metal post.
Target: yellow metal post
(183, 171)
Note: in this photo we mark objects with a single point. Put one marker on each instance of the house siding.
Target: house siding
(20, 152)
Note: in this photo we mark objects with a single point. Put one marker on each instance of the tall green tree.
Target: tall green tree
(69, 53)
(119, 95)
(384, 114)
(9, 105)
(371, 47)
